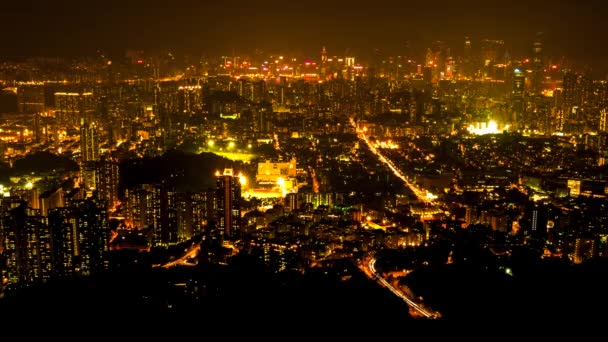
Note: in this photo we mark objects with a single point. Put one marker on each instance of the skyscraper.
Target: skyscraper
(30, 97)
(537, 64)
(140, 206)
(467, 60)
(89, 149)
(517, 94)
(323, 66)
(107, 177)
(603, 124)
(165, 232)
(492, 53)
(155, 207)
(71, 107)
(27, 246)
(228, 196)
(535, 220)
(89, 141)
(93, 229)
(65, 241)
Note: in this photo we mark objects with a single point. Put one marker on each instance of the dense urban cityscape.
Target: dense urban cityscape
(322, 185)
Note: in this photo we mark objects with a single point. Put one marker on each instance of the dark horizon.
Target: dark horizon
(71, 28)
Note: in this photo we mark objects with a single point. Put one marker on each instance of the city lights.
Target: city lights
(482, 128)
(204, 170)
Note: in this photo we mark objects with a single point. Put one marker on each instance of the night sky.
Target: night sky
(575, 29)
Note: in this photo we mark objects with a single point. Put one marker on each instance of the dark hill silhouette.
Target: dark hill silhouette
(208, 296)
(43, 162)
(190, 172)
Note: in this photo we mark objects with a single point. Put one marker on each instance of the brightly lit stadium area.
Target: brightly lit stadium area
(483, 128)
(273, 180)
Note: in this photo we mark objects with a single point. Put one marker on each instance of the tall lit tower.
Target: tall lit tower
(517, 93)
(537, 64)
(106, 181)
(323, 66)
(323, 56)
(70, 107)
(603, 127)
(89, 149)
(27, 246)
(80, 237)
(89, 142)
(228, 204)
(467, 57)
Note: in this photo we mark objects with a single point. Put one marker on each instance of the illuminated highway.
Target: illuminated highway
(369, 268)
(422, 195)
(113, 237)
(183, 261)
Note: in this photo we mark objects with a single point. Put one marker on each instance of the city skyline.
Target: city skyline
(71, 28)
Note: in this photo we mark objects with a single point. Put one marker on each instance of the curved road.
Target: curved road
(371, 266)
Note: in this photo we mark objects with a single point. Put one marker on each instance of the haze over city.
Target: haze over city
(70, 27)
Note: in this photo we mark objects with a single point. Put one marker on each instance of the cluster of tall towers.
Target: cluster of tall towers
(69, 239)
(173, 216)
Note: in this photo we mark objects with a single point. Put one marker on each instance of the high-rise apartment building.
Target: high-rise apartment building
(27, 246)
(228, 197)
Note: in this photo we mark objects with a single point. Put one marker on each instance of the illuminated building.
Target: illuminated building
(245, 88)
(519, 83)
(603, 125)
(323, 56)
(165, 216)
(27, 246)
(30, 97)
(184, 217)
(89, 142)
(574, 186)
(51, 199)
(535, 220)
(262, 120)
(517, 94)
(70, 108)
(193, 212)
(89, 149)
(140, 206)
(318, 199)
(467, 62)
(276, 257)
(154, 207)
(537, 64)
(172, 216)
(470, 215)
(64, 235)
(492, 52)
(291, 202)
(228, 204)
(258, 91)
(323, 66)
(190, 99)
(482, 128)
(572, 99)
(93, 225)
(274, 179)
(585, 249)
(270, 171)
(106, 182)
